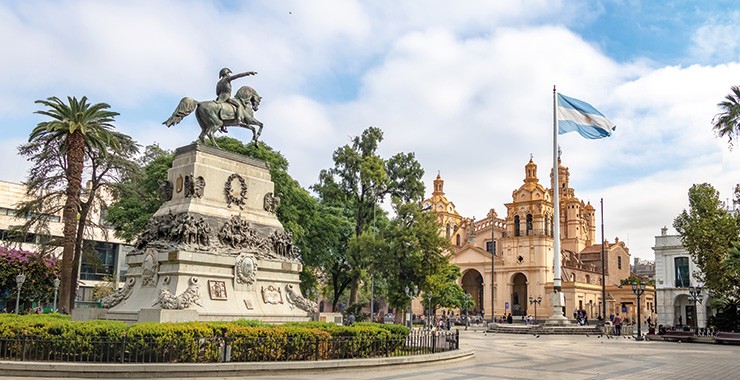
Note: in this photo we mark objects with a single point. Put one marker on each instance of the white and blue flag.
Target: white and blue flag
(577, 115)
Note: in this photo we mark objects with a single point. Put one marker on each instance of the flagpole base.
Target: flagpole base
(557, 318)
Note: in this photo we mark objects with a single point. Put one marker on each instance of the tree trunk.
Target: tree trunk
(354, 290)
(84, 211)
(75, 163)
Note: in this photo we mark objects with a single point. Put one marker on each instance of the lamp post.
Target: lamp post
(535, 302)
(410, 292)
(428, 313)
(467, 317)
(638, 289)
(56, 290)
(696, 296)
(19, 280)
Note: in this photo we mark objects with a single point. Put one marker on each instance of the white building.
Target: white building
(109, 259)
(674, 271)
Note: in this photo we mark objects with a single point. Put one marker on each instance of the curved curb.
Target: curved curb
(158, 370)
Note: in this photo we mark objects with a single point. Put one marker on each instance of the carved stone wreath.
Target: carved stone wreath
(231, 194)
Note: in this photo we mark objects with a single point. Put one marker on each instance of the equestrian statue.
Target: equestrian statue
(225, 111)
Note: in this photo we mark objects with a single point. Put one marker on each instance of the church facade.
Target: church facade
(507, 262)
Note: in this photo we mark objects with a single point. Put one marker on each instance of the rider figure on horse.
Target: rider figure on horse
(223, 89)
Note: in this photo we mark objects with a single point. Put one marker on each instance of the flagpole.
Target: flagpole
(603, 272)
(557, 300)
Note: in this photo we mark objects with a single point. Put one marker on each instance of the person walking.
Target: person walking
(617, 325)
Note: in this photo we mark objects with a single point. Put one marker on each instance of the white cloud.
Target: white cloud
(467, 87)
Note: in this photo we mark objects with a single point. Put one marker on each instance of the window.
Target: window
(682, 272)
(457, 239)
(588, 279)
(516, 225)
(529, 224)
(619, 262)
(448, 230)
(491, 247)
(98, 260)
(547, 226)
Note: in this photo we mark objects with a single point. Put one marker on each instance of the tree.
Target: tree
(138, 195)
(727, 122)
(358, 182)
(40, 271)
(75, 128)
(415, 257)
(707, 232)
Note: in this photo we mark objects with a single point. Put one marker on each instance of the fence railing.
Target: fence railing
(221, 349)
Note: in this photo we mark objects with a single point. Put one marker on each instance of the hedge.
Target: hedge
(200, 341)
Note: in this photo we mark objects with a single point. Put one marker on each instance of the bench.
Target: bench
(678, 335)
(727, 337)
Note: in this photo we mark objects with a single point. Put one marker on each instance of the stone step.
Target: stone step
(542, 329)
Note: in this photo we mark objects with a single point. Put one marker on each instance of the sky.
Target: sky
(465, 86)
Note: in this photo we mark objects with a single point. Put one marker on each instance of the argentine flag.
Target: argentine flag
(577, 115)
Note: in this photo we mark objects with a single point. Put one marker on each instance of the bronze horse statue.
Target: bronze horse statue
(214, 116)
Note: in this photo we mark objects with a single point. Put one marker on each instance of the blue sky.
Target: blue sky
(466, 86)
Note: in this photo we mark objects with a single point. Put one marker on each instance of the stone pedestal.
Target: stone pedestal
(215, 249)
(557, 318)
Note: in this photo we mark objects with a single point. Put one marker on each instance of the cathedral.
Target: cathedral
(517, 252)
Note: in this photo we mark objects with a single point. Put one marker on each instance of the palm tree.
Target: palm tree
(75, 126)
(727, 123)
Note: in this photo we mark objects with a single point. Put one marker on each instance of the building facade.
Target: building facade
(506, 261)
(644, 268)
(674, 271)
(105, 255)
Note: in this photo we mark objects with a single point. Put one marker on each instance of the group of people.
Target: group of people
(580, 316)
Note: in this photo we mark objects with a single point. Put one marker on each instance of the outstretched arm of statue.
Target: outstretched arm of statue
(235, 76)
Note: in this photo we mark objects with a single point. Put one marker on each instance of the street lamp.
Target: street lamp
(19, 280)
(410, 293)
(467, 316)
(428, 313)
(56, 290)
(696, 296)
(535, 302)
(638, 289)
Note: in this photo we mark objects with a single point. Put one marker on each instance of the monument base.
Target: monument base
(214, 251)
(163, 315)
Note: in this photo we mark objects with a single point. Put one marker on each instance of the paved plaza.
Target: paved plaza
(510, 356)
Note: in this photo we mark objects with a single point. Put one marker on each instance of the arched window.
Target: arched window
(529, 224)
(457, 239)
(448, 230)
(588, 279)
(547, 226)
(516, 225)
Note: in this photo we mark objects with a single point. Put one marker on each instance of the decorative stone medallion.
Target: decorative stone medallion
(178, 183)
(149, 269)
(245, 269)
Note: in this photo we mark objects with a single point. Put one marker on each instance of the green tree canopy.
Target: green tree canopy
(138, 195)
(76, 133)
(707, 232)
(358, 182)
